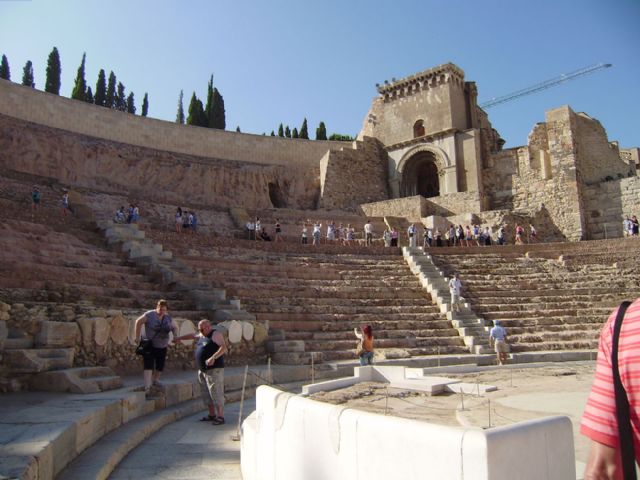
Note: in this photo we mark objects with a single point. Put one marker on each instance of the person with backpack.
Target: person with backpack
(611, 418)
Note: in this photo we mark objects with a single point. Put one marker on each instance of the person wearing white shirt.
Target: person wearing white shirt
(454, 289)
(368, 230)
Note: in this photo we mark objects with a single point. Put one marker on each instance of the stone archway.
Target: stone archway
(421, 175)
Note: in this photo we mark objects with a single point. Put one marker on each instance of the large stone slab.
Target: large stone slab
(58, 334)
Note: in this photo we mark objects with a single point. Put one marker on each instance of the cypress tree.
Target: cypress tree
(89, 98)
(273, 134)
(287, 132)
(180, 114)
(131, 105)
(27, 75)
(321, 132)
(294, 133)
(280, 131)
(101, 89)
(304, 132)
(121, 98)
(208, 109)
(80, 88)
(52, 83)
(217, 110)
(196, 112)
(110, 99)
(145, 104)
(5, 71)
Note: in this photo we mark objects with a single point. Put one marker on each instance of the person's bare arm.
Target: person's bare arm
(219, 339)
(141, 320)
(603, 463)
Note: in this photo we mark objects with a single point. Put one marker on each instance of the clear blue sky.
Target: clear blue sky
(280, 60)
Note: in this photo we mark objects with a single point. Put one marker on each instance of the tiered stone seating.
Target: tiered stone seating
(549, 297)
(317, 295)
(52, 270)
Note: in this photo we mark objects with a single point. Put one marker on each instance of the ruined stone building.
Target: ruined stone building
(426, 152)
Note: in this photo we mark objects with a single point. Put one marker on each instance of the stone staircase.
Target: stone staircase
(470, 327)
(549, 297)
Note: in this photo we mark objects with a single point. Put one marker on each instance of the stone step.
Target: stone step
(18, 343)
(37, 360)
(77, 380)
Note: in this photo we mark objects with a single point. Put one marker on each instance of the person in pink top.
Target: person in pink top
(599, 422)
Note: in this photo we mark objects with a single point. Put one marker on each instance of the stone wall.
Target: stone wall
(80, 117)
(351, 177)
(166, 177)
(598, 159)
(415, 208)
(608, 203)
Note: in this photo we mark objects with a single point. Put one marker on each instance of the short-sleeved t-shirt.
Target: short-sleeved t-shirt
(599, 419)
(157, 329)
(498, 333)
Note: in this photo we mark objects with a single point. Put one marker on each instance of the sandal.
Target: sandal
(218, 421)
(208, 418)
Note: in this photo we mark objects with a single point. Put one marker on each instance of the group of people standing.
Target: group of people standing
(256, 231)
(334, 233)
(36, 199)
(185, 221)
(459, 236)
(210, 351)
(129, 215)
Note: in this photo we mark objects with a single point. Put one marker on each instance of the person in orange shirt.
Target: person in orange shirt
(366, 337)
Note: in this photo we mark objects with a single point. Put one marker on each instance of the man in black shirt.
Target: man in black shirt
(210, 350)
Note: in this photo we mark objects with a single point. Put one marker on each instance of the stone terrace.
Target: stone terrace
(549, 296)
(317, 295)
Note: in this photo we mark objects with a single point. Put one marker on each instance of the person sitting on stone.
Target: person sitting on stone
(498, 340)
(120, 216)
(264, 236)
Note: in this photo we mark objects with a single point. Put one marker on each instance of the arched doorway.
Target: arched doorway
(420, 176)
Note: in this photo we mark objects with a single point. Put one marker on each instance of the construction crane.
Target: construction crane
(544, 85)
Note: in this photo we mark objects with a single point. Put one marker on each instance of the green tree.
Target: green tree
(80, 87)
(281, 131)
(27, 75)
(5, 71)
(197, 115)
(145, 105)
(321, 132)
(304, 131)
(273, 134)
(121, 98)
(101, 89)
(180, 114)
(110, 98)
(208, 109)
(218, 119)
(294, 133)
(287, 132)
(89, 98)
(131, 104)
(52, 83)
(341, 138)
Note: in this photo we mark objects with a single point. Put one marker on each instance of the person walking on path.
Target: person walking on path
(278, 228)
(210, 350)
(454, 289)
(498, 340)
(365, 336)
(368, 232)
(157, 326)
(600, 421)
(411, 233)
